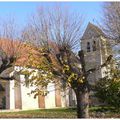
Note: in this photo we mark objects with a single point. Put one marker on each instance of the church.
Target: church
(96, 48)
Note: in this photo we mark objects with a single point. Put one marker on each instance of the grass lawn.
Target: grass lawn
(95, 112)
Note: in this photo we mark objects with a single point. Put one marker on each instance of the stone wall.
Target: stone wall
(2, 95)
(92, 58)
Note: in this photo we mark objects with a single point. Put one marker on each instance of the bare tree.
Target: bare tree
(111, 26)
(66, 27)
(111, 20)
(37, 29)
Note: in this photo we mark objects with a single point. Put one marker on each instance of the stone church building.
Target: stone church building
(96, 48)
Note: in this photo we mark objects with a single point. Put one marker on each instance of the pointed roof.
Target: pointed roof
(92, 30)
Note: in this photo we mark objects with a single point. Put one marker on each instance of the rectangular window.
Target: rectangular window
(88, 46)
(94, 46)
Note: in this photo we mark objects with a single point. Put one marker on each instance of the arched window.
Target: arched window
(88, 46)
(94, 46)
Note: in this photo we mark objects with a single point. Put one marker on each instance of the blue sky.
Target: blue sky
(21, 10)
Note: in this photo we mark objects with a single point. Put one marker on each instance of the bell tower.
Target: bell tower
(96, 49)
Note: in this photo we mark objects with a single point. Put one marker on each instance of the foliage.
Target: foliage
(38, 73)
(41, 70)
(108, 88)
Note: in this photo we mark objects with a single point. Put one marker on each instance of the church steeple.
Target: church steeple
(92, 31)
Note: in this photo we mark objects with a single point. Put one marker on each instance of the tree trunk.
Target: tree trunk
(82, 103)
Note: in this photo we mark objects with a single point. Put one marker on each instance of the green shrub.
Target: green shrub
(108, 89)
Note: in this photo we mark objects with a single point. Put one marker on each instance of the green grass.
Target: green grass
(95, 112)
(41, 113)
(103, 109)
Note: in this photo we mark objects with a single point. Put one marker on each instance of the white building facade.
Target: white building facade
(18, 96)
